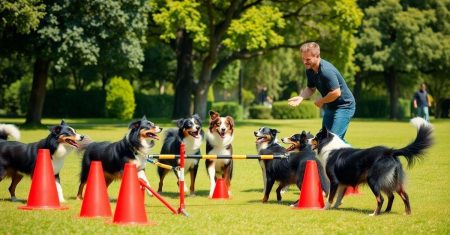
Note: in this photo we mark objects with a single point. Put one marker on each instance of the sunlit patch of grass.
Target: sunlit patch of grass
(244, 213)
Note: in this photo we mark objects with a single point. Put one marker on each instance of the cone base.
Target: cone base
(308, 208)
(43, 208)
(148, 223)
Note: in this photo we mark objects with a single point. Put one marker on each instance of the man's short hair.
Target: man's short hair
(311, 47)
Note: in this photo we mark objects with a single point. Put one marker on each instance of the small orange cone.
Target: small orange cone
(130, 208)
(350, 190)
(43, 194)
(221, 190)
(311, 193)
(96, 200)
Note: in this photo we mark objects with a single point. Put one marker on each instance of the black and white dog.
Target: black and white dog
(17, 159)
(219, 137)
(377, 166)
(190, 133)
(267, 144)
(133, 148)
(289, 170)
(301, 149)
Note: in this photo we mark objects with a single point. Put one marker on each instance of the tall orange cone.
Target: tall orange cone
(130, 208)
(221, 190)
(350, 190)
(43, 194)
(96, 201)
(311, 194)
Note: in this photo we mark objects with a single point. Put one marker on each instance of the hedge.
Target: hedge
(260, 112)
(64, 103)
(232, 109)
(153, 106)
(378, 107)
(307, 109)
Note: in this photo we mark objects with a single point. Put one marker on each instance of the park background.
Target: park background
(99, 64)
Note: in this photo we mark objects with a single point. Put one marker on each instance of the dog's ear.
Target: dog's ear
(230, 121)
(63, 123)
(274, 132)
(213, 115)
(134, 124)
(196, 117)
(303, 132)
(180, 123)
(55, 129)
(144, 118)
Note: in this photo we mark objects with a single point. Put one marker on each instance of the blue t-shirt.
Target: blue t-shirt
(328, 79)
(421, 98)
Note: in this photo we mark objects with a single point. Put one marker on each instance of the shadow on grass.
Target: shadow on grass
(21, 201)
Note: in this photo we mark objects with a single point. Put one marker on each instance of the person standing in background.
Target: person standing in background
(422, 103)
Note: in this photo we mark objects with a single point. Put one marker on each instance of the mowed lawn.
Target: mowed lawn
(428, 187)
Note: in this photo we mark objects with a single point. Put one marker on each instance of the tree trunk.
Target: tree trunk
(38, 89)
(201, 99)
(358, 86)
(184, 76)
(391, 84)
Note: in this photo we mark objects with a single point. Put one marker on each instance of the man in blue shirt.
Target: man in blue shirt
(421, 102)
(337, 100)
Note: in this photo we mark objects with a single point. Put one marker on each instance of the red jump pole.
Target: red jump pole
(144, 184)
(181, 180)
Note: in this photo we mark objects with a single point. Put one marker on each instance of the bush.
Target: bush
(153, 105)
(74, 104)
(16, 97)
(404, 108)
(119, 99)
(307, 109)
(232, 109)
(260, 112)
(372, 107)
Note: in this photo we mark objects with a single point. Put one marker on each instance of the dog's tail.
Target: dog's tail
(9, 130)
(424, 140)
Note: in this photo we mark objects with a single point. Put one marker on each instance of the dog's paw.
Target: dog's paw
(14, 199)
(327, 206)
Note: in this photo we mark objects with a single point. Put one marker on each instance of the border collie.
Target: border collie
(377, 166)
(17, 159)
(300, 148)
(190, 133)
(219, 137)
(286, 171)
(133, 148)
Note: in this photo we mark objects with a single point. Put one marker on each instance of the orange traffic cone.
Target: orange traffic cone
(311, 194)
(130, 209)
(221, 190)
(350, 190)
(96, 201)
(43, 194)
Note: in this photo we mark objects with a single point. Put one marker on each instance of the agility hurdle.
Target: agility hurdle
(151, 158)
(206, 156)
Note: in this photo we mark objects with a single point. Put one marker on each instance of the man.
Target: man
(421, 102)
(337, 100)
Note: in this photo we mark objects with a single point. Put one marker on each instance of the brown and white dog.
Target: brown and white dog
(219, 137)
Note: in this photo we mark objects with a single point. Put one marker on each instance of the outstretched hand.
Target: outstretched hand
(294, 101)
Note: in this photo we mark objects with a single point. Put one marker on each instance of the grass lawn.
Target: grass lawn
(428, 188)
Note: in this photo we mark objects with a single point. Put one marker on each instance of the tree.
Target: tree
(402, 39)
(224, 31)
(106, 34)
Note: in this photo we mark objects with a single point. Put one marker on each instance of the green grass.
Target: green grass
(428, 187)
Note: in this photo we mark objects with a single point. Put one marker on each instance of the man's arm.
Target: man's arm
(306, 93)
(330, 97)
